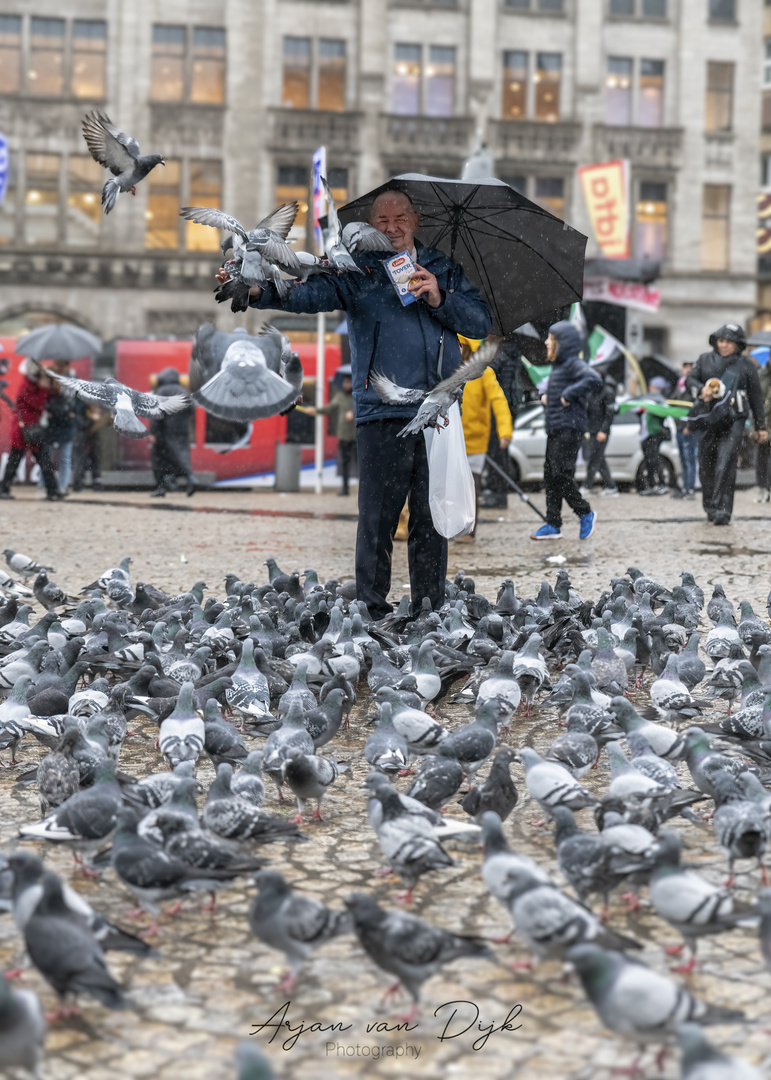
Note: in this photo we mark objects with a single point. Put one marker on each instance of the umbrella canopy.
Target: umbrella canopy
(58, 341)
(760, 337)
(524, 260)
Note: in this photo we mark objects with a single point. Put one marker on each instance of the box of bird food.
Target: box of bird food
(401, 270)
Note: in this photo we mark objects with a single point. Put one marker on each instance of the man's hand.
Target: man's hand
(762, 437)
(601, 436)
(222, 275)
(503, 443)
(565, 402)
(424, 285)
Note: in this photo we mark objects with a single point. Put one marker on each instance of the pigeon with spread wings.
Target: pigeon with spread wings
(340, 243)
(119, 153)
(126, 404)
(249, 384)
(435, 402)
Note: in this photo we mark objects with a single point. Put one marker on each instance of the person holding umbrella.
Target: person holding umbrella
(569, 387)
(27, 433)
(416, 346)
(719, 447)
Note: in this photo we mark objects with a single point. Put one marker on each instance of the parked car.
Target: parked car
(624, 452)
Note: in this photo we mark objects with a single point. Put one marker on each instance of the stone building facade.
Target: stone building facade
(238, 93)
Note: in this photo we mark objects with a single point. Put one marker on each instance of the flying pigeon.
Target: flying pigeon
(434, 402)
(246, 388)
(126, 404)
(356, 236)
(118, 152)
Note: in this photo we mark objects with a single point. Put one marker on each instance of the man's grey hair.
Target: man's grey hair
(393, 191)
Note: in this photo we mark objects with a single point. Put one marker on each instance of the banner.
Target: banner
(606, 191)
(4, 162)
(319, 195)
(764, 223)
(628, 294)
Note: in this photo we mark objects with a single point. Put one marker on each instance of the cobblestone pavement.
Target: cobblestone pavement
(213, 982)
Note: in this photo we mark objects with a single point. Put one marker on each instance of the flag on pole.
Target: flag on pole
(319, 195)
(657, 408)
(578, 319)
(603, 346)
(4, 161)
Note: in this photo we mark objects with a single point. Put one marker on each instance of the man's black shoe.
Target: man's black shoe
(158, 493)
(190, 489)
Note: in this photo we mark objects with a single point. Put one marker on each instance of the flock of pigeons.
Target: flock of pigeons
(262, 679)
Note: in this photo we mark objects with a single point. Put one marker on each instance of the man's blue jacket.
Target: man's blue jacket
(570, 379)
(402, 342)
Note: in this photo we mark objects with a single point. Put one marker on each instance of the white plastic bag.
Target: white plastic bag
(451, 494)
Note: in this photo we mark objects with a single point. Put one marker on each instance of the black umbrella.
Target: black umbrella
(58, 341)
(523, 259)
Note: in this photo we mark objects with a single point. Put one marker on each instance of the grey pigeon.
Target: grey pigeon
(268, 237)
(65, 952)
(246, 389)
(339, 243)
(407, 947)
(498, 793)
(408, 842)
(183, 734)
(234, 818)
(471, 744)
(114, 150)
(23, 564)
(291, 736)
(294, 924)
(434, 403)
(701, 1061)
(551, 784)
(438, 778)
(720, 606)
(248, 782)
(251, 1063)
(309, 776)
(58, 774)
(741, 825)
(386, 749)
(125, 404)
(221, 740)
(576, 749)
(637, 1002)
(22, 1029)
(422, 732)
(49, 594)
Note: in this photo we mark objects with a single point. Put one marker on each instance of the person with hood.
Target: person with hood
(763, 467)
(340, 408)
(653, 432)
(170, 438)
(570, 384)
(600, 410)
(719, 447)
(27, 433)
(416, 346)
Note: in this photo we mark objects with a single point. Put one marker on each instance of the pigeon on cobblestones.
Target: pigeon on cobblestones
(22, 564)
(22, 1029)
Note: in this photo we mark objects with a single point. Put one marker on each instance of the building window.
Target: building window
(440, 81)
(722, 10)
(650, 106)
(205, 190)
(41, 211)
(406, 80)
(89, 48)
(765, 171)
(208, 80)
(162, 214)
(296, 92)
(618, 92)
(519, 183)
(651, 221)
(654, 9)
(766, 112)
(293, 182)
(46, 57)
(539, 5)
(84, 210)
(622, 7)
(331, 75)
(10, 53)
(338, 185)
(720, 94)
(550, 5)
(766, 62)
(514, 104)
(550, 194)
(715, 226)
(8, 205)
(168, 63)
(647, 9)
(547, 86)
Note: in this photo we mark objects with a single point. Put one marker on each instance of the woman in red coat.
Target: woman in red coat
(30, 404)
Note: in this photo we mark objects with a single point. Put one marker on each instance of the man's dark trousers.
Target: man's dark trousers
(718, 462)
(559, 468)
(390, 470)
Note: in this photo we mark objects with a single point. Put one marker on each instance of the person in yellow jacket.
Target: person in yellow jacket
(479, 397)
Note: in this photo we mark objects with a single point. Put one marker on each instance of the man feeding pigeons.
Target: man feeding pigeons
(413, 344)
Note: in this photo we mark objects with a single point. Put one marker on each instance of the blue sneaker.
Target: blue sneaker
(547, 532)
(588, 522)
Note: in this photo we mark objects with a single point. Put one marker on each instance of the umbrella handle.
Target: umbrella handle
(522, 494)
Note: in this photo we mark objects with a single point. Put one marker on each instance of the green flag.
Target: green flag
(657, 408)
(537, 372)
(603, 346)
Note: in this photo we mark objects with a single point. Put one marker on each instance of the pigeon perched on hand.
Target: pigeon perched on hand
(339, 244)
(435, 402)
(126, 404)
(118, 152)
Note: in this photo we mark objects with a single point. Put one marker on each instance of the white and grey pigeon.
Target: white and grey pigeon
(340, 244)
(436, 401)
(12, 585)
(551, 784)
(118, 152)
(246, 388)
(183, 732)
(125, 404)
(22, 564)
(701, 1061)
(22, 1029)
(268, 237)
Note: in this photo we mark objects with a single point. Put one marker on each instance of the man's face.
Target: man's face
(552, 348)
(726, 347)
(392, 214)
(687, 369)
